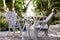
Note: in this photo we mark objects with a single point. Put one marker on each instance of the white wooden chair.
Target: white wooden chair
(45, 23)
(12, 21)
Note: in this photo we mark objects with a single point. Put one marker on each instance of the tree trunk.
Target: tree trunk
(5, 7)
(13, 2)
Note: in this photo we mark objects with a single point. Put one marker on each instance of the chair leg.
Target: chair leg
(13, 32)
(20, 32)
(46, 33)
(58, 39)
(8, 32)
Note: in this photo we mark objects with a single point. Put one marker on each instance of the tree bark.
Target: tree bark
(13, 2)
(5, 7)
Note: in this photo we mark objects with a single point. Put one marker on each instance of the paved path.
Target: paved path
(54, 33)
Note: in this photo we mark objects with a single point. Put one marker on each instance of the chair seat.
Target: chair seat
(24, 29)
(42, 29)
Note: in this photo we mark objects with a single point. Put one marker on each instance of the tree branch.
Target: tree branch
(25, 7)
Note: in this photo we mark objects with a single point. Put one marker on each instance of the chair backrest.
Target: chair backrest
(12, 19)
(48, 18)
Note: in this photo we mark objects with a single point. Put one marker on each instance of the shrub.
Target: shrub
(3, 24)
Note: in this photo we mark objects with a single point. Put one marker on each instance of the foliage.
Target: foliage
(40, 5)
(9, 3)
(1, 3)
(3, 24)
(46, 6)
(19, 5)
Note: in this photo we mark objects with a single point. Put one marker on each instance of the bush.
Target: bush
(3, 25)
